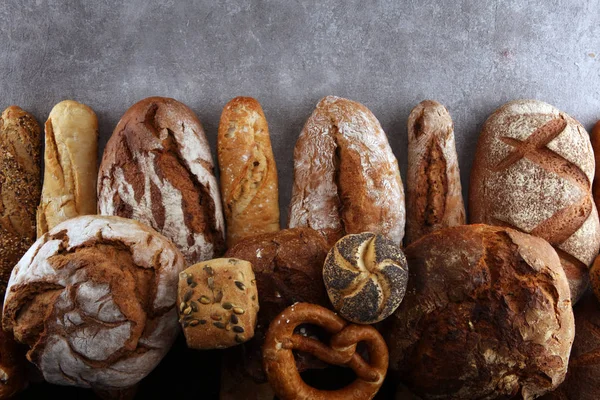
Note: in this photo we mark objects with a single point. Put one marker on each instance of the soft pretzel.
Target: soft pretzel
(278, 359)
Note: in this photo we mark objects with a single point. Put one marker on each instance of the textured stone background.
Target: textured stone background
(470, 55)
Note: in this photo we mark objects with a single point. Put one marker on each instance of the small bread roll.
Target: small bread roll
(248, 171)
(69, 188)
(366, 276)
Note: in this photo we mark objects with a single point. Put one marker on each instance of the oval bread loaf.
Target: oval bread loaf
(346, 178)
(533, 172)
(157, 169)
(434, 193)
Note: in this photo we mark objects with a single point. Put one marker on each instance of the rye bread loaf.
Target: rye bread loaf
(288, 267)
(248, 172)
(94, 299)
(533, 171)
(157, 169)
(486, 315)
(346, 178)
(583, 377)
(434, 193)
(70, 168)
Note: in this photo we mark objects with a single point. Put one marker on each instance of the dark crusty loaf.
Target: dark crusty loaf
(288, 266)
(157, 168)
(248, 172)
(346, 178)
(434, 193)
(533, 172)
(12, 367)
(487, 315)
(94, 299)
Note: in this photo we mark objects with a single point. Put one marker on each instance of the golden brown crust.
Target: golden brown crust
(69, 188)
(434, 192)
(280, 366)
(487, 313)
(248, 172)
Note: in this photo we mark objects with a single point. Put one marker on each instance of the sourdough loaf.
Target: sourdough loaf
(487, 315)
(248, 171)
(157, 169)
(94, 299)
(346, 178)
(533, 172)
(434, 193)
(69, 188)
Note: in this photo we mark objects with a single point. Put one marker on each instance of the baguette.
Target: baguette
(248, 171)
(69, 188)
(346, 178)
(434, 194)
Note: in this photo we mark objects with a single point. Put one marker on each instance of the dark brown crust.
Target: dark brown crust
(487, 313)
(288, 268)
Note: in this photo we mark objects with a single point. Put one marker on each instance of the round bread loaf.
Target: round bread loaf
(288, 266)
(94, 299)
(533, 172)
(487, 315)
(365, 275)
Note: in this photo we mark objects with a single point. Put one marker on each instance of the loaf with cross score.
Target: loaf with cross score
(533, 172)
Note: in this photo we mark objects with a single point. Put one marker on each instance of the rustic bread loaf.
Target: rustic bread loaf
(583, 377)
(434, 193)
(487, 315)
(346, 178)
(595, 139)
(248, 171)
(365, 275)
(533, 172)
(288, 267)
(157, 169)
(69, 188)
(94, 299)
(13, 377)
(218, 303)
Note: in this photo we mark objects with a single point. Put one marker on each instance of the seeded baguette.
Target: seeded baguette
(434, 192)
(69, 188)
(248, 171)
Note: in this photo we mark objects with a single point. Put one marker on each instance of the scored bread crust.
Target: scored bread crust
(487, 314)
(94, 299)
(533, 172)
(157, 169)
(434, 192)
(346, 178)
(248, 172)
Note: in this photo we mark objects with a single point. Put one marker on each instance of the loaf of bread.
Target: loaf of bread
(157, 169)
(487, 315)
(12, 367)
(595, 139)
(533, 171)
(69, 188)
(434, 193)
(94, 300)
(365, 275)
(248, 171)
(346, 178)
(218, 303)
(288, 267)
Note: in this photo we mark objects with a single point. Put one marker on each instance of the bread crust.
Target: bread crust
(346, 178)
(533, 172)
(434, 192)
(94, 299)
(69, 188)
(487, 314)
(595, 139)
(248, 172)
(157, 169)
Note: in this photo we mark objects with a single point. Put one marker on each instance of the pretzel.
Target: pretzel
(279, 364)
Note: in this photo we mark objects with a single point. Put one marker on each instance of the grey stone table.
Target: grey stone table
(470, 55)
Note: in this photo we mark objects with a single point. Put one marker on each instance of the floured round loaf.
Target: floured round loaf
(157, 169)
(94, 299)
(486, 315)
(533, 172)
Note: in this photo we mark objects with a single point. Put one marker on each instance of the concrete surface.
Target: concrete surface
(470, 55)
